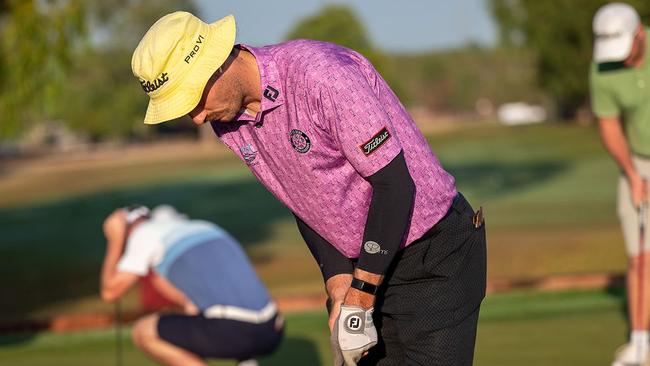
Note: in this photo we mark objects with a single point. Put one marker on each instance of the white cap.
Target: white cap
(133, 213)
(167, 212)
(614, 26)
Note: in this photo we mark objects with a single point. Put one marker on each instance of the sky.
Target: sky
(395, 26)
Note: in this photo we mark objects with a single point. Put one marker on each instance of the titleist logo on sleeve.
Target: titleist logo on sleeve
(377, 140)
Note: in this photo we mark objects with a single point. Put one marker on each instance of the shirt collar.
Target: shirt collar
(271, 88)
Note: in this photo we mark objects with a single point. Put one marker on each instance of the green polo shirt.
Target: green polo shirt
(619, 91)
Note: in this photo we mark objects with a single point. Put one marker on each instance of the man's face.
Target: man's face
(222, 99)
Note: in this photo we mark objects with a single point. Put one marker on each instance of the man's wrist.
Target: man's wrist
(364, 286)
(359, 298)
(369, 277)
(631, 173)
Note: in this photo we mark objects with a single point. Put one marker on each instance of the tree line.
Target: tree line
(69, 61)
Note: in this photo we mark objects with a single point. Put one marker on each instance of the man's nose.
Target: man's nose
(197, 118)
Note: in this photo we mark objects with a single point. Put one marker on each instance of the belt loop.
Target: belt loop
(457, 202)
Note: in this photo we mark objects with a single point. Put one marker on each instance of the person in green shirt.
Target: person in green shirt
(620, 98)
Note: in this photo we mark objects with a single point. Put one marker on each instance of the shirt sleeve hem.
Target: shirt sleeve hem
(386, 159)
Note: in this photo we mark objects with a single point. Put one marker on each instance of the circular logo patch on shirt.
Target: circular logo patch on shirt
(371, 247)
(299, 141)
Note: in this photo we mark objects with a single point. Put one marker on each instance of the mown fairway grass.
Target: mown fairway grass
(549, 196)
(548, 192)
(576, 328)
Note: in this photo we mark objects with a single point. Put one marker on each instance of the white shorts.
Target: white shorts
(628, 214)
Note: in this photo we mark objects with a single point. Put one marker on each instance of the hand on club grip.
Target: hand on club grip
(355, 332)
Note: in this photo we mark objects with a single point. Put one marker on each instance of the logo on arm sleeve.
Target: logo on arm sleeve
(372, 247)
(375, 142)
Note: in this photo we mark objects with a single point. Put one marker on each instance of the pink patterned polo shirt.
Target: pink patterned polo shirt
(327, 121)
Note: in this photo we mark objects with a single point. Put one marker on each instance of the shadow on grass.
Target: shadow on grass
(17, 338)
(493, 179)
(294, 351)
(618, 291)
(53, 252)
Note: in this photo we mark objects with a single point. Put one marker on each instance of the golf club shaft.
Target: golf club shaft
(118, 333)
(641, 280)
(119, 356)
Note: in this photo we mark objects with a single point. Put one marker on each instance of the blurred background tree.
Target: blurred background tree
(68, 60)
(449, 81)
(339, 24)
(336, 24)
(38, 40)
(107, 100)
(560, 35)
(454, 81)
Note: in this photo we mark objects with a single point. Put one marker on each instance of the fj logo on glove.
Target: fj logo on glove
(377, 140)
(354, 322)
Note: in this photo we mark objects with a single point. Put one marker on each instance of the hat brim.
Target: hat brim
(220, 41)
(613, 49)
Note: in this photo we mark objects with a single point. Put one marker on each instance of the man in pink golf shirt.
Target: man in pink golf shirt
(402, 253)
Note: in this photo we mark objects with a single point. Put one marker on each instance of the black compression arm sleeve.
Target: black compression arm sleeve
(329, 259)
(393, 195)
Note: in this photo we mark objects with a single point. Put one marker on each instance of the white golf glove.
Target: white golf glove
(355, 332)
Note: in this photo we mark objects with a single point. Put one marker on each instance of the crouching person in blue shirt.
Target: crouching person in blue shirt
(228, 313)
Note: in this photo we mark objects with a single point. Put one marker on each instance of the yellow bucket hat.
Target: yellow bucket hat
(176, 58)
